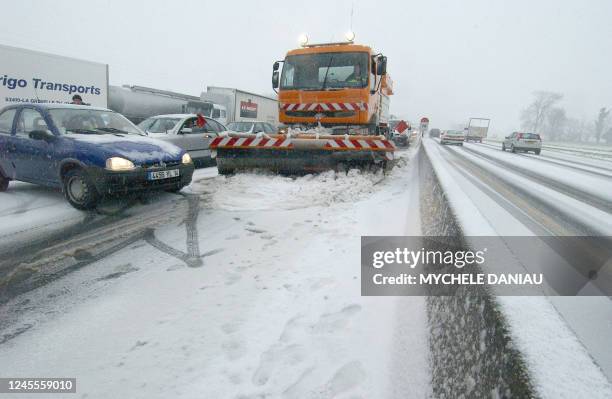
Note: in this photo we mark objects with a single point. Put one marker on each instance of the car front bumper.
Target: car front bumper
(109, 182)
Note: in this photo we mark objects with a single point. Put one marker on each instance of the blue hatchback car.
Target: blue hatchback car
(88, 152)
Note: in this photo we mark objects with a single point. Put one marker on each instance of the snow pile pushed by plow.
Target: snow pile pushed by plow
(253, 191)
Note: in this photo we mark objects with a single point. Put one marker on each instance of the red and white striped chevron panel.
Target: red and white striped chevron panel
(360, 144)
(249, 142)
(339, 144)
(324, 106)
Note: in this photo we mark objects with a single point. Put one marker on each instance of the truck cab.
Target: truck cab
(343, 86)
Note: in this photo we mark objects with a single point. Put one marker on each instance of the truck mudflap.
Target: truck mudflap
(301, 153)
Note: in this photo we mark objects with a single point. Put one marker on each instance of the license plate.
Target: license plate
(163, 174)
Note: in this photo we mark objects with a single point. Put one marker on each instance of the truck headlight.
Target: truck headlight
(186, 159)
(116, 164)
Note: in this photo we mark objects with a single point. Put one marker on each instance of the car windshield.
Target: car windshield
(91, 121)
(159, 125)
(325, 70)
(240, 126)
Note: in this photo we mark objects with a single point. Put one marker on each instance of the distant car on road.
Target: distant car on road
(88, 152)
(251, 127)
(183, 131)
(518, 141)
(434, 132)
(452, 137)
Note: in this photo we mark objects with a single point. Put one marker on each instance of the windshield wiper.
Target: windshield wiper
(115, 130)
(111, 130)
(327, 71)
(82, 131)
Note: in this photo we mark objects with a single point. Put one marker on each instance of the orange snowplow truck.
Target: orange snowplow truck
(334, 101)
(342, 86)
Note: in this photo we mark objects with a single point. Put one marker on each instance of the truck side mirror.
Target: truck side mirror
(381, 66)
(275, 79)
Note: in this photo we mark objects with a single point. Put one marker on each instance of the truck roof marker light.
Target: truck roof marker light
(303, 39)
(350, 36)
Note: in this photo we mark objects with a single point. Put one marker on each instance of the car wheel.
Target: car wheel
(79, 190)
(512, 149)
(503, 147)
(537, 152)
(174, 189)
(4, 183)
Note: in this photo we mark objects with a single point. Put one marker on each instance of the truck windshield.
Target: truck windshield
(91, 121)
(325, 71)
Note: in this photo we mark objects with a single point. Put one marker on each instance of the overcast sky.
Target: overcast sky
(449, 59)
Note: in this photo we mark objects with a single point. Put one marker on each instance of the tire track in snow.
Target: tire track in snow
(75, 248)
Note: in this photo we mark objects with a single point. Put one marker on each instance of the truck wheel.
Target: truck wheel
(224, 170)
(4, 183)
(373, 127)
(503, 147)
(79, 190)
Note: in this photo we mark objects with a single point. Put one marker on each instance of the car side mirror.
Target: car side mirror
(275, 80)
(275, 66)
(41, 135)
(186, 130)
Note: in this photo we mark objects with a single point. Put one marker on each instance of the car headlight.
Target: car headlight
(116, 163)
(186, 159)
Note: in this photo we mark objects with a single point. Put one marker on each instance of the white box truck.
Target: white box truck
(242, 105)
(33, 76)
(477, 129)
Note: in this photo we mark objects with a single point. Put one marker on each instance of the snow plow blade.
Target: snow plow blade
(301, 153)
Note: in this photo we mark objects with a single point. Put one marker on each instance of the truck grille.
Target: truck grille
(327, 114)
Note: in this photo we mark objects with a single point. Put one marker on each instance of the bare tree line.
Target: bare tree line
(545, 117)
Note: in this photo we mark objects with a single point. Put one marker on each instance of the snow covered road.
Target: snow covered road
(248, 286)
(495, 193)
(271, 309)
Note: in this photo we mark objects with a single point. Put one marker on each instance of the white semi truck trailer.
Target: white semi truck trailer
(242, 105)
(37, 77)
